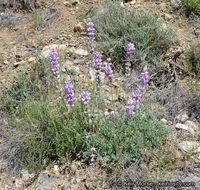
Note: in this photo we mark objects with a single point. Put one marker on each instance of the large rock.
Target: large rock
(192, 125)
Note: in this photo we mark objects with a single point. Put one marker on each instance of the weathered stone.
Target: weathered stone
(31, 59)
(67, 65)
(92, 75)
(182, 117)
(74, 70)
(185, 127)
(19, 63)
(192, 125)
(43, 182)
(189, 146)
(79, 27)
(164, 121)
(79, 51)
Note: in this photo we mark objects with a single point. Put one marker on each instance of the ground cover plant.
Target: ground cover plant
(56, 122)
(192, 5)
(117, 26)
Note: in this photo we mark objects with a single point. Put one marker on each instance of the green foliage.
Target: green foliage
(193, 59)
(50, 131)
(120, 141)
(116, 27)
(193, 5)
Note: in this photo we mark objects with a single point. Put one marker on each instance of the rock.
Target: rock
(175, 3)
(47, 49)
(43, 182)
(74, 70)
(25, 175)
(182, 117)
(164, 121)
(79, 51)
(56, 170)
(67, 65)
(31, 59)
(192, 178)
(184, 127)
(168, 16)
(79, 27)
(189, 146)
(19, 63)
(192, 125)
(92, 75)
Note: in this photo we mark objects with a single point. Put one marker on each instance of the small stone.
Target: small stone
(77, 179)
(192, 125)
(31, 59)
(74, 70)
(185, 127)
(79, 27)
(73, 168)
(182, 117)
(56, 170)
(25, 175)
(67, 65)
(92, 75)
(164, 121)
(188, 146)
(19, 63)
(168, 16)
(79, 51)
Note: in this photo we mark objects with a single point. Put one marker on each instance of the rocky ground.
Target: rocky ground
(62, 29)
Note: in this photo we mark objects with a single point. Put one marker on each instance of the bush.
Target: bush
(50, 131)
(193, 59)
(116, 27)
(192, 5)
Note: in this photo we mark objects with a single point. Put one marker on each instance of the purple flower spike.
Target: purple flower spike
(97, 61)
(129, 111)
(69, 93)
(130, 48)
(136, 96)
(144, 78)
(108, 69)
(54, 62)
(90, 34)
(85, 97)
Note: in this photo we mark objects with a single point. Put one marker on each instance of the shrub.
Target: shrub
(193, 59)
(116, 27)
(192, 5)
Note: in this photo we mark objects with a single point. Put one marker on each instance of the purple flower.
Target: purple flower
(130, 48)
(108, 69)
(69, 93)
(136, 96)
(54, 62)
(144, 78)
(129, 111)
(85, 97)
(97, 61)
(90, 34)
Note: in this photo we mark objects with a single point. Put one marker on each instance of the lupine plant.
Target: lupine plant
(97, 67)
(130, 50)
(69, 93)
(90, 34)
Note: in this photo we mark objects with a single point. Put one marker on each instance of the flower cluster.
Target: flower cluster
(92, 157)
(54, 62)
(85, 97)
(108, 69)
(90, 34)
(69, 93)
(144, 79)
(130, 111)
(97, 61)
(136, 96)
(130, 48)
